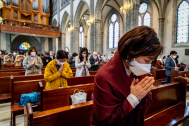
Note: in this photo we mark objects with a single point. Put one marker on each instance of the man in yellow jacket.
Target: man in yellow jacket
(57, 71)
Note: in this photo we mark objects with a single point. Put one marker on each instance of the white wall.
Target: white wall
(68, 39)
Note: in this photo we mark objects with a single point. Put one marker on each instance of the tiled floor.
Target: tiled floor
(5, 114)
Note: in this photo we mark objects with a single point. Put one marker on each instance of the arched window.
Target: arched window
(81, 37)
(182, 22)
(144, 17)
(113, 32)
(147, 19)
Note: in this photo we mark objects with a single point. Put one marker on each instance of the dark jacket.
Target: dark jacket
(111, 88)
(176, 60)
(93, 66)
(45, 59)
(71, 62)
(170, 65)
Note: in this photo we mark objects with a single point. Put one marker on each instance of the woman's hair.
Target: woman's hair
(80, 53)
(133, 43)
(61, 54)
(30, 50)
(74, 54)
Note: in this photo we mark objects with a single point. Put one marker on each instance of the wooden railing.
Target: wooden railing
(9, 25)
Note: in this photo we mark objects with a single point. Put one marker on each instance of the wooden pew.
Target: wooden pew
(176, 73)
(2, 74)
(54, 98)
(72, 115)
(159, 75)
(169, 106)
(19, 88)
(172, 110)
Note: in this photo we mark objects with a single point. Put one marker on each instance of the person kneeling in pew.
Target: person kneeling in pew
(57, 71)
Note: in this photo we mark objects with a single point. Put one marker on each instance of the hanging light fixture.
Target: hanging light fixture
(126, 7)
(70, 29)
(1, 19)
(90, 21)
(1, 4)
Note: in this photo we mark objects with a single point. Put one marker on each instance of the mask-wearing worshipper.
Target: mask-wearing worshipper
(82, 63)
(71, 60)
(160, 62)
(32, 62)
(58, 71)
(14, 55)
(170, 65)
(95, 62)
(105, 58)
(46, 59)
(121, 87)
(19, 58)
(8, 59)
(51, 55)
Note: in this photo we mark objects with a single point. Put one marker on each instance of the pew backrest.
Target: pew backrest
(176, 73)
(54, 98)
(80, 80)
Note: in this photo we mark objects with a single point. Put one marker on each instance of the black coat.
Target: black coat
(93, 66)
(45, 59)
(71, 62)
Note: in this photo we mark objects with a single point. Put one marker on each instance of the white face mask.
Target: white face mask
(84, 55)
(139, 69)
(95, 57)
(51, 54)
(33, 53)
(14, 53)
(0, 53)
(174, 57)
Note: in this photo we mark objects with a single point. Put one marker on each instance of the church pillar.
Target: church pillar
(101, 45)
(75, 44)
(54, 45)
(72, 42)
(92, 46)
(46, 44)
(3, 41)
(63, 41)
(58, 12)
(42, 44)
(8, 43)
(98, 40)
(85, 41)
(161, 30)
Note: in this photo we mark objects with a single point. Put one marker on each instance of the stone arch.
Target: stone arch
(65, 17)
(22, 38)
(81, 4)
(98, 9)
(54, 23)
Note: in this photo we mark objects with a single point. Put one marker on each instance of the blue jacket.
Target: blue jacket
(170, 65)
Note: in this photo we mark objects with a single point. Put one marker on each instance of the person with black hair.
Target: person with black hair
(82, 63)
(176, 59)
(170, 65)
(57, 71)
(19, 58)
(71, 60)
(46, 59)
(8, 59)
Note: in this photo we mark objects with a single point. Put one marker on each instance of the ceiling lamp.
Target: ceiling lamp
(1, 4)
(71, 28)
(1, 19)
(90, 21)
(126, 7)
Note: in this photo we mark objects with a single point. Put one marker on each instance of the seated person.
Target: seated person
(57, 71)
(46, 59)
(94, 61)
(19, 59)
(8, 59)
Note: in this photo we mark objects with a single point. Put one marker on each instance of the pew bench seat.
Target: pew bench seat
(170, 116)
(4, 98)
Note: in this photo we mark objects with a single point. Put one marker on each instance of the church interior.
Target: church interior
(88, 35)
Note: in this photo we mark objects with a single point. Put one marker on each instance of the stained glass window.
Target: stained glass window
(182, 22)
(113, 32)
(139, 20)
(143, 8)
(147, 19)
(24, 46)
(81, 37)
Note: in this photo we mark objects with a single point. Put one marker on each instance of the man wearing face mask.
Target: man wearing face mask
(8, 59)
(51, 55)
(71, 60)
(32, 63)
(121, 89)
(57, 71)
(46, 59)
(14, 55)
(94, 61)
(170, 64)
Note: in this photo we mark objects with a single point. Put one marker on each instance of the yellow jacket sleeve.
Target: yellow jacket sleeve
(50, 77)
(67, 74)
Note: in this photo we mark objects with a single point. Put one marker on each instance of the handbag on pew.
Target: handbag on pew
(79, 97)
(28, 98)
